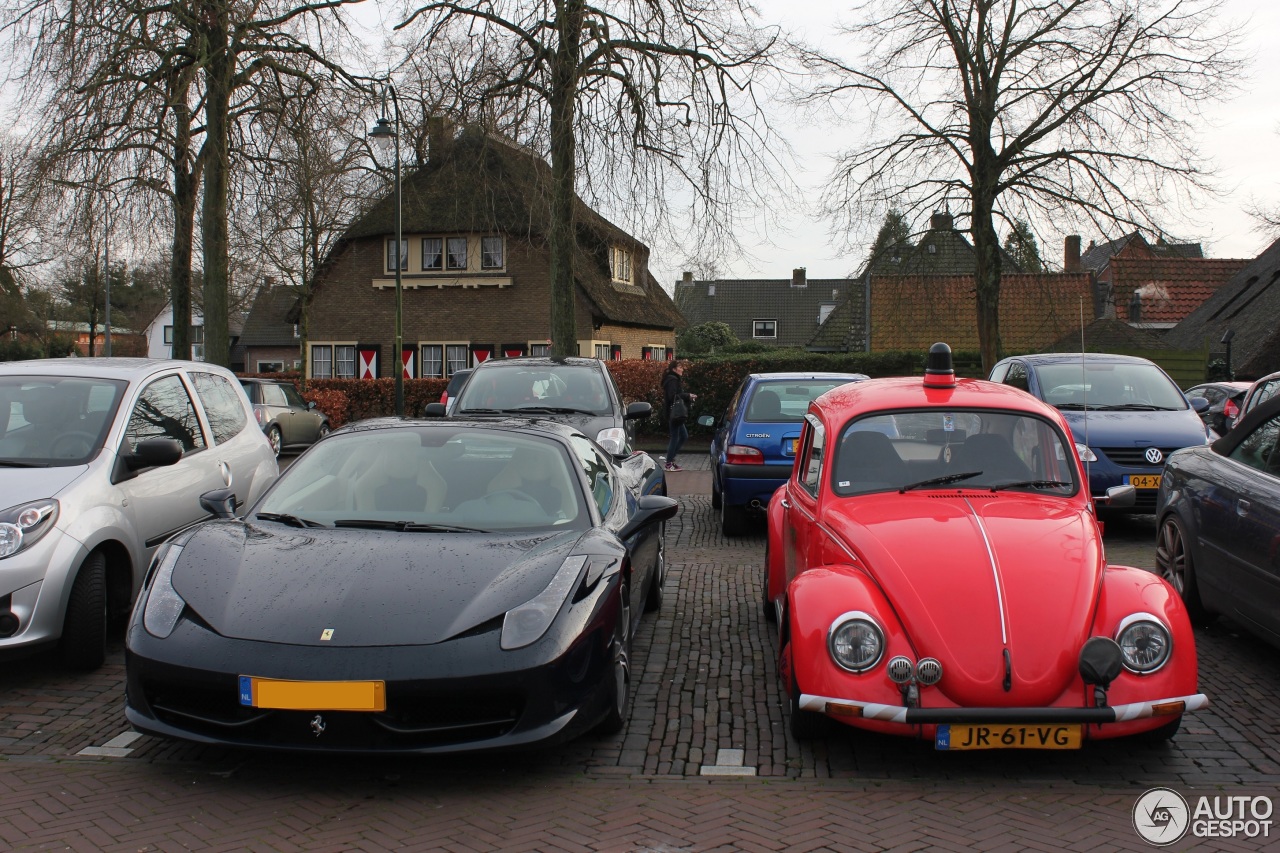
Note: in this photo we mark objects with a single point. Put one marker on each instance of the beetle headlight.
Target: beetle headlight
(163, 605)
(527, 623)
(22, 526)
(1145, 643)
(855, 641)
(1086, 455)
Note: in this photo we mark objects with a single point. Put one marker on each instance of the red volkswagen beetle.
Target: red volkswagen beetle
(938, 572)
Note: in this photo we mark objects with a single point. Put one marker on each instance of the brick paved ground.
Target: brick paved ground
(707, 701)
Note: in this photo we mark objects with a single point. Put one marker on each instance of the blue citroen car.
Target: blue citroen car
(754, 444)
(1126, 415)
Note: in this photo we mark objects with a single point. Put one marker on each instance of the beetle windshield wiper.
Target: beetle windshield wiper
(1034, 484)
(404, 526)
(939, 481)
(285, 518)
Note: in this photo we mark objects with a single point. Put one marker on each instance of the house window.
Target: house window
(491, 254)
(457, 259)
(764, 328)
(432, 360)
(432, 253)
(333, 361)
(270, 367)
(391, 255)
(654, 352)
(168, 335)
(542, 349)
(620, 264)
(456, 357)
(602, 351)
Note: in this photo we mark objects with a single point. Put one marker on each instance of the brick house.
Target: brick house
(475, 272)
(777, 312)
(270, 339)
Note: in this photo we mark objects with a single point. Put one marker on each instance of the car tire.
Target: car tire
(615, 719)
(1175, 565)
(1163, 734)
(770, 612)
(733, 519)
(653, 601)
(275, 440)
(324, 430)
(716, 497)
(84, 630)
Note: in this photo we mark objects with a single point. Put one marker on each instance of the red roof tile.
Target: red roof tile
(1171, 288)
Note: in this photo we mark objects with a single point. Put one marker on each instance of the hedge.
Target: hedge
(713, 378)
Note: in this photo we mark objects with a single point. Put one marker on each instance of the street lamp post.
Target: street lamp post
(106, 251)
(385, 136)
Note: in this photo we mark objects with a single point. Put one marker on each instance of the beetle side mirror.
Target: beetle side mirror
(1121, 497)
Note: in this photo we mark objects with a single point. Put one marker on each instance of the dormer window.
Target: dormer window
(764, 328)
(620, 264)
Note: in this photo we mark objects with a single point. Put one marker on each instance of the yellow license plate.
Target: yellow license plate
(1144, 481)
(998, 736)
(313, 695)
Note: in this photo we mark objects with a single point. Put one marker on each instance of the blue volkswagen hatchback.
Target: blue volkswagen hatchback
(754, 444)
(1126, 415)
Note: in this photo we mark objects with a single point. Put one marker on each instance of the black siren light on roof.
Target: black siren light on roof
(939, 372)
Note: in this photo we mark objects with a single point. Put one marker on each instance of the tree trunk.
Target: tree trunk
(184, 225)
(986, 245)
(217, 168)
(564, 83)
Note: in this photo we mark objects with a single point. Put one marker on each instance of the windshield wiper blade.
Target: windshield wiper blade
(1035, 484)
(939, 481)
(14, 463)
(1143, 407)
(554, 410)
(286, 518)
(404, 526)
(459, 412)
(1075, 407)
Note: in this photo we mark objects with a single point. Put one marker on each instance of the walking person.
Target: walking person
(673, 390)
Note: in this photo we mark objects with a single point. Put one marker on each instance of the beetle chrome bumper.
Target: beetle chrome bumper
(913, 716)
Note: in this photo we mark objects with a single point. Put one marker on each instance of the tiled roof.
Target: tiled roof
(268, 324)
(1248, 305)
(914, 312)
(1107, 335)
(942, 250)
(845, 329)
(739, 302)
(1171, 288)
(1096, 257)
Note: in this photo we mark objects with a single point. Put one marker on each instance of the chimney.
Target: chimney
(687, 277)
(942, 221)
(439, 138)
(798, 278)
(1135, 307)
(1071, 253)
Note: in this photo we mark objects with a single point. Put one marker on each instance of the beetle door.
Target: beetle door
(801, 501)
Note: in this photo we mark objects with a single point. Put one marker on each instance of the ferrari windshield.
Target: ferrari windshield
(1108, 385)
(436, 478)
(50, 421)
(938, 448)
(560, 388)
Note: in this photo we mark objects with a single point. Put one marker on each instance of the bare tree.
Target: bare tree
(621, 90)
(22, 212)
(1073, 110)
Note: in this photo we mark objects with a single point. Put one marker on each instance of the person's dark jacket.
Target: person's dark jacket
(672, 386)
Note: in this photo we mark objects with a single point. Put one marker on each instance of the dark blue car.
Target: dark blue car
(1126, 415)
(754, 444)
(1219, 524)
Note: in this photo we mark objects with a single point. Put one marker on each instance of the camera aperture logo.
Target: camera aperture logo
(1161, 816)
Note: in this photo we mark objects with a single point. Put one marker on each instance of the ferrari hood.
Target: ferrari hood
(972, 575)
(278, 584)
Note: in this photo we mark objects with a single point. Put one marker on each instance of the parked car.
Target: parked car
(952, 585)
(409, 586)
(754, 443)
(577, 391)
(103, 459)
(1126, 414)
(449, 396)
(1219, 524)
(288, 421)
(1224, 403)
(1259, 392)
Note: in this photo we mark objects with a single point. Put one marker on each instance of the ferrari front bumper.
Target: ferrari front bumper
(920, 716)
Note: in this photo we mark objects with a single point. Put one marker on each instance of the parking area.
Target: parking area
(704, 764)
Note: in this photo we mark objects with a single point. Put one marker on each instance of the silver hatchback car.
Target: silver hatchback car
(101, 460)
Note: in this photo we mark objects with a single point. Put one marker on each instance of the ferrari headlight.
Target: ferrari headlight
(22, 526)
(1145, 644)
(164, 605)
(855, 641)
(525, 624)
(1086, 455)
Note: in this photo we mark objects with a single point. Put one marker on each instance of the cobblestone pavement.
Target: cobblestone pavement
(705, 763)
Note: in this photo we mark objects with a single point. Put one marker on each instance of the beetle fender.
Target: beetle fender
(775, 568)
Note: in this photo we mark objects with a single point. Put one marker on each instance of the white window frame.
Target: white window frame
(436, 372)
(485, 252)
(333, 348)
(755, 329)
(404, 260)
(620, 262)
(439, 255)
(540, 348)
(448, 253)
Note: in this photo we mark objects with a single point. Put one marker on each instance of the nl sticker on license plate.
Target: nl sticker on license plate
(789, 446)
(999, 736)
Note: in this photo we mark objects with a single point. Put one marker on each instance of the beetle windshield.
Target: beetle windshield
(55, 420)
(431, 478)
(974, 449)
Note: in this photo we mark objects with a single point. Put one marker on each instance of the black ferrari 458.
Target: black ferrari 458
(408, 586)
